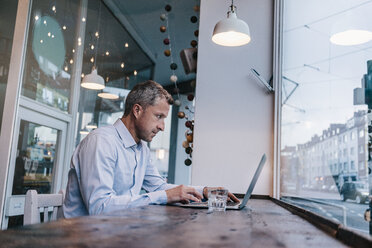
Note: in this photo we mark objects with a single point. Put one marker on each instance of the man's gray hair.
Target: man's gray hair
(145, 94)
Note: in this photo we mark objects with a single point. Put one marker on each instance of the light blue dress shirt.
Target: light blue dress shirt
(108, 170)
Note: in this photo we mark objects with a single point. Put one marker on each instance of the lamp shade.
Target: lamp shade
(93, 81)
(350, 30)
(231, 31)
(351, 37)
(91, 125)
(107, 95)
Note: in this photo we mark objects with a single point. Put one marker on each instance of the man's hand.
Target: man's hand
(230, 196)
(183, 194)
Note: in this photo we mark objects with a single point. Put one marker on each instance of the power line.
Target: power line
(329, 16)
(328, 59)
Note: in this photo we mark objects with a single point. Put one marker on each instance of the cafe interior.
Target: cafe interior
(288, 80)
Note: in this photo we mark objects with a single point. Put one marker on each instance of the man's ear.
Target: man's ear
(137, 110)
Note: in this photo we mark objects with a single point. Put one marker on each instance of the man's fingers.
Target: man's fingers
(233, 197)
(195, 193)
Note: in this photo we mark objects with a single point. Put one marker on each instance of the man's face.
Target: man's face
(151, 120)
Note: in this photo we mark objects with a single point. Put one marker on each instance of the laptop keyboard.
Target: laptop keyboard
(232, 203)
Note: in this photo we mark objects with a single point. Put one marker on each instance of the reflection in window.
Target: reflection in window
(321, 107)
(8, 11)
(35, 159)
(121, 66)
(50, 50)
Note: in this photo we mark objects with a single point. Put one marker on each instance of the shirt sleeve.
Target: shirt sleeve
(97, 161)
(156, 185)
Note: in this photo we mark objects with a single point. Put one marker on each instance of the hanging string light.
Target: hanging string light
(94, 81)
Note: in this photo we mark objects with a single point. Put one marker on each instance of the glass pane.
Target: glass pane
(35, 162)
(326, 104)
(119, 61)
(8, 11)
(50, 49)
(159, 147)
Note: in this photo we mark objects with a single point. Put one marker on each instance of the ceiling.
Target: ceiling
(142, 20)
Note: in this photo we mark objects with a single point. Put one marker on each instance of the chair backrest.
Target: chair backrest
(49, 204)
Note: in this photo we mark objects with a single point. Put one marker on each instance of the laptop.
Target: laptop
(234, 205)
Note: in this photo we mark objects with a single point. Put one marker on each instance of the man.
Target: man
(112, 164)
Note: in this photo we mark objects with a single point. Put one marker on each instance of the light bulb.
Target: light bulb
(126, 45)
(122, 65)
(135, 73)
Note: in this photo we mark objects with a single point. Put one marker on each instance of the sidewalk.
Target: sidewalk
(314, 194)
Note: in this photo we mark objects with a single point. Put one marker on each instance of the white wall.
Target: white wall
(234, 115)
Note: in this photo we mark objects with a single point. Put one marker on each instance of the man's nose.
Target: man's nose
(161, 126)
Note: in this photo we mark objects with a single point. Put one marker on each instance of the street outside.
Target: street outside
(331, 207)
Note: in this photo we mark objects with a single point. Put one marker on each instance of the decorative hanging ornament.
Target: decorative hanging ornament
(190, 97)
(163, 29)
(181, 114)
(188, 150)
(188, 162)
(168, 8)
(173, 66)
(166, 41)
(189, 137)
(177, 103)
(193, 19)
(163, 17)
(185, 144)
(167, 52)
(176, 90)
(188, 124)
(173, 78)
(193, 43)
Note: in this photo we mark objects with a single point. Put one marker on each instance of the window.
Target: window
(317, 87)
(361, 133)
(346, 167)
(352, 165)
(352, 135)
(361, 149)
(8, 11)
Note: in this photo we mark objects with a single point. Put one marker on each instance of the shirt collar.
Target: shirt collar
(124, 134)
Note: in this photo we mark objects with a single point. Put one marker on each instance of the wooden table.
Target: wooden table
(263, 224)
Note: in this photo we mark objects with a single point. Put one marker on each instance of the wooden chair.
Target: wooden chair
(49, 204)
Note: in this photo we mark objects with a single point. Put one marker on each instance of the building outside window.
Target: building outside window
(318, 88)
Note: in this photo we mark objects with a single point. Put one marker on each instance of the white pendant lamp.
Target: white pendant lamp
(93, 81)
(231, 31)
(350, 31)
(91, 125)
(351, 37)
(107, 95)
